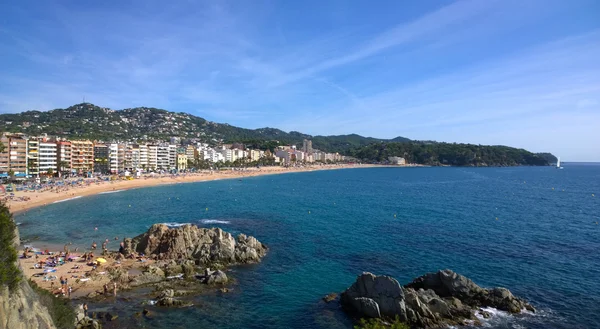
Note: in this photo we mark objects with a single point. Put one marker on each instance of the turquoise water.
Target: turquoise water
(324, 228)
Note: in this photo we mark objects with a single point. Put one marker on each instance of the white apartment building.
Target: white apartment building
(143, 156)
(113, 158)
(152, 157)
(47, 152)
(213, 156)
(172, 156)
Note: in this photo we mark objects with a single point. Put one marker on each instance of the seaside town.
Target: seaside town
(27, 157)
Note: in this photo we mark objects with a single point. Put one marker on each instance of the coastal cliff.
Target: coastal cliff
(20, 307)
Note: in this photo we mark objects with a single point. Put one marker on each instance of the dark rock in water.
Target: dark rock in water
(166, 298)
(432, 300)
(213, 277)
(485, 314)
(204, 246)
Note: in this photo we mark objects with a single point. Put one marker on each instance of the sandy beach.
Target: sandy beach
(42, 198)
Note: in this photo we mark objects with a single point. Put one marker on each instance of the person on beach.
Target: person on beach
(105, 289)
(115, 289)
(85, 310)
(94, 245)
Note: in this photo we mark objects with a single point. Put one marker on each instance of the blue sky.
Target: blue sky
(518, 73)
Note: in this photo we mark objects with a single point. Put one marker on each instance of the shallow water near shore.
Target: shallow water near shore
(530, 229)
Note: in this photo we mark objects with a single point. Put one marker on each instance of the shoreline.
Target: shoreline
(39, 199)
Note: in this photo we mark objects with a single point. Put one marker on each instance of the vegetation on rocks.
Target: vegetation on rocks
(10, 275)
(60, 308)
(452, 154)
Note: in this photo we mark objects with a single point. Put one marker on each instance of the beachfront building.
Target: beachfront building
(82, 155)
(47, 157)
(143, 164)
(14, 157)
(285, 156)
(172, 156)
(33, 162)
(255, 155)
(397, 161)
(191, 152)
(182, 160)
(152, 157)
(213, 156)
(101, 159)
(162, 157)
(64, 160)
(116, 157)
(307, 146)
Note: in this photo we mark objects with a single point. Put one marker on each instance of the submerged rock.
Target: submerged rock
(432, 300)
(167, 298)
(204, 246)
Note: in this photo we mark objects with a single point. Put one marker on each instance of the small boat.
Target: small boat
(558, 164)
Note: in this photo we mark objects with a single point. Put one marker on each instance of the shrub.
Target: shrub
(10, 275)
(60, 309)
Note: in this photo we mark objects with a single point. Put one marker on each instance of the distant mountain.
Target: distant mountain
(143, 123)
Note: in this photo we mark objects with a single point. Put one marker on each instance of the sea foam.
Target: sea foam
(108, 192)
(214, 221)
(173, 225)
(73, 198)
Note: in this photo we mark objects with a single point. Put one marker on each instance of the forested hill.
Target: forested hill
(452, 154)
(144, 123)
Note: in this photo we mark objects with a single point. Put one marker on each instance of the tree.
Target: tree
(11, 173)
(379, 324)
(50, 172)
(64, 166)
(9, 272)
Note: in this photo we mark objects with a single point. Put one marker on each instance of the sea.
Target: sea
(533, 230)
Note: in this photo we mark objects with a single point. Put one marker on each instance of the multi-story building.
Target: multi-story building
(254, 155)
(182, 161)
(152, 157)
(47, 157)
(143, 156)
(307, 146)
(82, 155)
(101, 164)
(14, 156)
(191, 152)
(64, 156)
(162, 157)
(172, 156)
(116, 157)
(33, 161)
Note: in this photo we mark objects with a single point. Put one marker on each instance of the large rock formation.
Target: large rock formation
(432, 300)
(20, 308)
(204, 246)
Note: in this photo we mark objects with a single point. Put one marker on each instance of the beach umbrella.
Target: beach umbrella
(101, 260)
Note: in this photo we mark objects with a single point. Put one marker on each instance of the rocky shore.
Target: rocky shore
(434, 300)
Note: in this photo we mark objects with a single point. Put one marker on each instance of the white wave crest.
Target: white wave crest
(214, 221)
(108, 192)
(172, 225)
(73, 198)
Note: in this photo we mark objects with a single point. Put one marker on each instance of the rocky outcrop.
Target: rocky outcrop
(20, 308)
(85, 322)
(167, 298)
(213, 277)
(204, 246)
(430, 301)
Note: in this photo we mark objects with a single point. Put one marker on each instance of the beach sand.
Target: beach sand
(95, 279)
(46, 197)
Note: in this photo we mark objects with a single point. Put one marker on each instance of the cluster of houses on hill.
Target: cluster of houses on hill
(27, 156)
